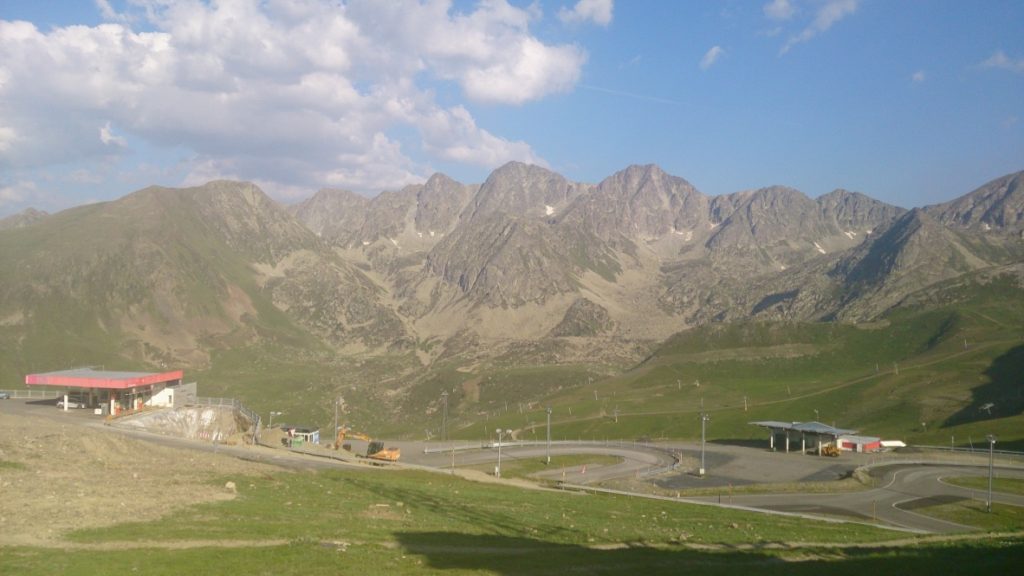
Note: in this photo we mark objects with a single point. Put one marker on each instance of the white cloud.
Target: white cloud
(827, 15)
(710, 57)
(7, 138)
(1001, 61)
(779, 10)
(108, 138)
(15, 192)
(308, 93)
(596, 11)
(453, 135)
(918, 77)
(108, 12)
(20, 194)
(527, 71)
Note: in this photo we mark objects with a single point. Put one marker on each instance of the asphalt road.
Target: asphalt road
(635, 459)
(904, 488)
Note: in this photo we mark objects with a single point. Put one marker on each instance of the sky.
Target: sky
(913, 102)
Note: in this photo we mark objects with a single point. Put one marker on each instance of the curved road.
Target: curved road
(635, 459)
(904, 488)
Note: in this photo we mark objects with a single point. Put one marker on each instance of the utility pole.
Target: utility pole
(548, 459)
(444, 416)
(991, 450)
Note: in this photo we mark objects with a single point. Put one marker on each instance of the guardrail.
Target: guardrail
(30, 394)
(982, 448)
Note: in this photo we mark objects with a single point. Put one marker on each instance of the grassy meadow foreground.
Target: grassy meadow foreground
(392, 522)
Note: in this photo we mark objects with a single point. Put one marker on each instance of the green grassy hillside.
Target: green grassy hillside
(922, 374)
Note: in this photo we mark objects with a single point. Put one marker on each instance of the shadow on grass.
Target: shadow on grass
(518, 555)
(1001, 397)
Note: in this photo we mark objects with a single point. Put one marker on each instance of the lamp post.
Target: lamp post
(548, 460)
(497, 469)
(272, 414)
(815, 414)
(444, 415)
(991, 451)
(703, 421)
(336, 402)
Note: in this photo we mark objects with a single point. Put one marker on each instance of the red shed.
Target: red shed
(860, 443)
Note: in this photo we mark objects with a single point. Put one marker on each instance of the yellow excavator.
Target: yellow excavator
(375, 449)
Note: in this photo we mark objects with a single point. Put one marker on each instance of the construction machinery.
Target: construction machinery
(830, 450)
(375, 449)
(346, 432)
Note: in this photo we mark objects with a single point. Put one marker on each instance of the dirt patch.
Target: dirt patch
(69, 476)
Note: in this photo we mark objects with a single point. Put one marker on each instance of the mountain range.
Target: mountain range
(526, 262)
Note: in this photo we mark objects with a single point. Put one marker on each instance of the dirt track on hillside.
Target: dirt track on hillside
(57, 477)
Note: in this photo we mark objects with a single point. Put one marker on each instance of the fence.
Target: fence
(252, 416)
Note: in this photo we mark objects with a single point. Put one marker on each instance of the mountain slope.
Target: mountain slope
(169, 274)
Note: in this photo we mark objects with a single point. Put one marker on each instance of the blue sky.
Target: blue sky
(910, 102)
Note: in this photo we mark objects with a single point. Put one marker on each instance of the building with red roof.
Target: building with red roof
(116, 392)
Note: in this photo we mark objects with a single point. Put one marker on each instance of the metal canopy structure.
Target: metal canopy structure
(120, 391)
(107, 379)
(816, 429)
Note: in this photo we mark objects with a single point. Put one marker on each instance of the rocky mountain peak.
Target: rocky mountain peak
(855, 212)
(524, 190)
(332, 212)
(998, 204)
(439, 203)
(26, 217)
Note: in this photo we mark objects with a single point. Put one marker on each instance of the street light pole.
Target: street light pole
(703, 420)
(991, 450)
(548, 461)
(444, 416)
(497, 470)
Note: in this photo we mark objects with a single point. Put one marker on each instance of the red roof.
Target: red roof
(89, 378)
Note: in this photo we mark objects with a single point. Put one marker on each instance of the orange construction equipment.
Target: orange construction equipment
(375, 449)
(346, 432)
